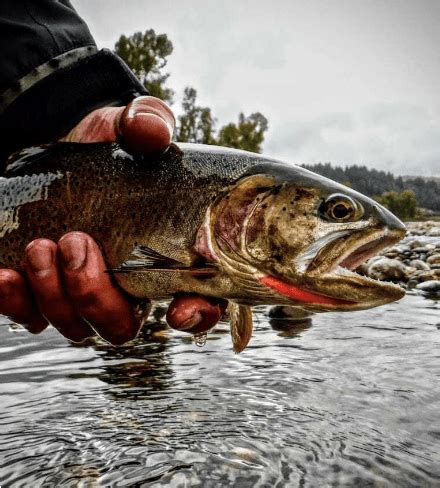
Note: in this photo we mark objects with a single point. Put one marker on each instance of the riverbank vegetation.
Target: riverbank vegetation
(147, 54)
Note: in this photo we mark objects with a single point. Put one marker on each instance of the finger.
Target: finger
(146, 125)
(97, 126)
(194, 313)
(91, 291)
(45, 280)
(16, 302)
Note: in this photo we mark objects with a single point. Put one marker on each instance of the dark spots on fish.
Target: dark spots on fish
(292, 215)
(301, 193)
(263, 189)
(276, 190)
(264, 206)
(284, 209)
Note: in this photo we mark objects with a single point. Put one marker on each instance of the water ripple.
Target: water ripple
(351, 400)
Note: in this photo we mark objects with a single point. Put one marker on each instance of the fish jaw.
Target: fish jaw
(300, 294)
(333, 284)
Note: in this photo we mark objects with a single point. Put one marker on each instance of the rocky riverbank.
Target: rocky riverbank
(414, 262)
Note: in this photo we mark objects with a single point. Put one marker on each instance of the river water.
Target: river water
(342, 400)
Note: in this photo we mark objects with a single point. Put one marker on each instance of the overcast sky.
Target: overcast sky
(346, 81)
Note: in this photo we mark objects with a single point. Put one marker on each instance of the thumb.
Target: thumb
(146, 125)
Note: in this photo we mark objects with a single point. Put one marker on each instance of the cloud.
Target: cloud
(350, 82)
(401, 138)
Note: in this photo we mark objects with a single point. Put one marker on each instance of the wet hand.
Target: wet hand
(145, 125)
(65, 283)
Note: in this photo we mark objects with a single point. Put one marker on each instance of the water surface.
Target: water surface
(346, 400)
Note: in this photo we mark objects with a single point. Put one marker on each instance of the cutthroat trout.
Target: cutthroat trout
(203, 219)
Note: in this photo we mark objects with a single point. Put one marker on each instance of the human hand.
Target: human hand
(65, 283)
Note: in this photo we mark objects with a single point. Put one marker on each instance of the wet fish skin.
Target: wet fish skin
(120, 200)
(255, 221)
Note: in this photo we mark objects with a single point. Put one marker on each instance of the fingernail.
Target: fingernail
(73, 251)
(40, 260)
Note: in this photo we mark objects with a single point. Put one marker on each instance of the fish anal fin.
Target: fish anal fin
(241, 325)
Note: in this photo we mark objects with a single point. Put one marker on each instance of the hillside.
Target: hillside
(372, 182)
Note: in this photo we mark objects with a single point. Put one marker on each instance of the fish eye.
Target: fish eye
(340, 208)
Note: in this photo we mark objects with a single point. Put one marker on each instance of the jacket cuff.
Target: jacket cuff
(55, 104)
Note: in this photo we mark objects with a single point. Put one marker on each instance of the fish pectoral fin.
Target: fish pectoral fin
(241, 325)
(144, 259)
(148, 257)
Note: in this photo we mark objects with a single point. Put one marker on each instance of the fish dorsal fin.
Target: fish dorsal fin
(241, 325)
(145, 259)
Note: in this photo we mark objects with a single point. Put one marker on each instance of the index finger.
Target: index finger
(93, 295)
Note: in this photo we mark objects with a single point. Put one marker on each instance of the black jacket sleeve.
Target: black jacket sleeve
(52, 74)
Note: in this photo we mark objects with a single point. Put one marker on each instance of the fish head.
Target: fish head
(290, 236)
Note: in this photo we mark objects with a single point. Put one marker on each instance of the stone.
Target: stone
(433, 259)
(412, 284)
(431, 286)
(388, 269)
(419, 264)
(363, 268)
(414, 244)
(421, 249)
(432, 274)
(286, 312)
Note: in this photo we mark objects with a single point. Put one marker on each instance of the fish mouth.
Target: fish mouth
(330, 281)
(350, 251)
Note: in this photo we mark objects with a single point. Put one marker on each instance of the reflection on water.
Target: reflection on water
(329, 400)
(290, 322)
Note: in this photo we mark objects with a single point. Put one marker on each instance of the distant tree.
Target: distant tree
(247, 134)
(372, 182)
(146, 54)
(196, 124)
(403, 204)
